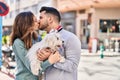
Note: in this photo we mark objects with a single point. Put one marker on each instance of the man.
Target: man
(71, 49)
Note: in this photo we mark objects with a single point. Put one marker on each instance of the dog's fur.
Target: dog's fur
(51, 40)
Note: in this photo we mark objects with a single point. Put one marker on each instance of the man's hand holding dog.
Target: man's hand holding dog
(54, 57)
(44, 54)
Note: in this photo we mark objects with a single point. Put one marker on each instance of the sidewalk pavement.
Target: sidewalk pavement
(85, 52)
(8, 74)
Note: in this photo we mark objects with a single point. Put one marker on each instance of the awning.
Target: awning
(70, 5)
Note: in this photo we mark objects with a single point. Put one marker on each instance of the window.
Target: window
(27, 9)
(17, 0)
(17, 11)
(69, 27)
(11, 1)
(110, 25)
(34, 9)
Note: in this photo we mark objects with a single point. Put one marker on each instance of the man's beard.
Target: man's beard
(43, 27)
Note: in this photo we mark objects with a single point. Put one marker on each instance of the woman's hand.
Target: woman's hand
(43, 54)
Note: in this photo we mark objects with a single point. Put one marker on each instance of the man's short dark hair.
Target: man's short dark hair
(52, 11)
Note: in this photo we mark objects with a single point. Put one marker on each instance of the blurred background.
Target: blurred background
(95, 22)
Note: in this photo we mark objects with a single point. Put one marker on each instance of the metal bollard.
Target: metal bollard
(119, 46)
(101, 51)
(114, 45)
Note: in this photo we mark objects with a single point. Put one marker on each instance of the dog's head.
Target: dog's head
(53, 41)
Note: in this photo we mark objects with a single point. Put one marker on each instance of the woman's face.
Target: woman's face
(36, 23)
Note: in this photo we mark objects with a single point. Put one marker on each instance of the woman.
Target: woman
(22, 37)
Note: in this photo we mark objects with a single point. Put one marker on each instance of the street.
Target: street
(95, 68)
(92, 68)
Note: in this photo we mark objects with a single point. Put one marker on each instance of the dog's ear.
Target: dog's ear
(48, 39)
(53, 30)
(56, 31)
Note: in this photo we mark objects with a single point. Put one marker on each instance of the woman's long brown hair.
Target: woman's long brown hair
(23, 29)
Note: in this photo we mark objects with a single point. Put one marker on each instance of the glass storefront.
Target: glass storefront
(110, 25)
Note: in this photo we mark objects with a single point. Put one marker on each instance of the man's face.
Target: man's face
(43, 21)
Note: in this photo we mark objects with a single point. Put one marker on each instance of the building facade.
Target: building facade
(94, 20)
(17, 6)
(88, 19)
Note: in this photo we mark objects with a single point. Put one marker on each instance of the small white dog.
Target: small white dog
(52, 41)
